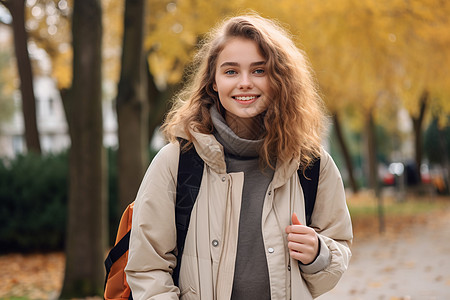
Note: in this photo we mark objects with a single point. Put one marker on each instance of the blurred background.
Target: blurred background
(84, 86)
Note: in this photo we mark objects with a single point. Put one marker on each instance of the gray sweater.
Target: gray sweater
(251, 277)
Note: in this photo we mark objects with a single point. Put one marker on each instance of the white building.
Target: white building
(51, 122)
(51, 119)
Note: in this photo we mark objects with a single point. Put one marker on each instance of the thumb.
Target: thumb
(295, 220)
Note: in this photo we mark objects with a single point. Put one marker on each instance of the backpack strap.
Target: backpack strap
(309, 181)
(116, 252)
(190, 172)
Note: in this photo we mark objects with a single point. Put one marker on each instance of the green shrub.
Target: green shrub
(33, 198)
(33, 201)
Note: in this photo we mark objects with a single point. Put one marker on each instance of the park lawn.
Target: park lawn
(396, 215)
(369, 206)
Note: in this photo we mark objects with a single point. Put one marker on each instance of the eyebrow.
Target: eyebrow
(235, 64)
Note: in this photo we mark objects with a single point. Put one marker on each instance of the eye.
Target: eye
(259, 71)
(230, 72)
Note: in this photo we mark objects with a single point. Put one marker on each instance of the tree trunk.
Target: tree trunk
(132, 105)
(160, 105)
(159, 102)
(373, 167)
(418, 134)
(443, 145)
(345, 152)
(86, 241)
(17, 10)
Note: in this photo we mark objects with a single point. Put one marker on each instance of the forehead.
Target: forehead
(241, 51)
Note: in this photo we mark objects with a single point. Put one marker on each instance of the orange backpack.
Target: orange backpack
(116, 286)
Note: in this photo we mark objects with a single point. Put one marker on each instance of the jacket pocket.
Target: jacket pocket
(188, 294)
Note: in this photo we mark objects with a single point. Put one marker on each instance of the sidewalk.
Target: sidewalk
(413, 264)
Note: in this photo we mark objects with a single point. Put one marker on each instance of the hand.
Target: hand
(303, 242)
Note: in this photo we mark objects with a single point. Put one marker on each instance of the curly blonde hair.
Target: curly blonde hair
(295, 119)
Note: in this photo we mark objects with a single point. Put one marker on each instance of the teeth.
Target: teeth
(245, 98)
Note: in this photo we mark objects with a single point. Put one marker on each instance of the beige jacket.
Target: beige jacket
(210, 248)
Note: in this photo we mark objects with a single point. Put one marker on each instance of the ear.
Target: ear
(214, 87)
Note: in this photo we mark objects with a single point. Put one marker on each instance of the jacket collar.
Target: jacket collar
(284, 172)
(212, 153)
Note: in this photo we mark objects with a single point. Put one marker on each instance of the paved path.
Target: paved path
(414, 265)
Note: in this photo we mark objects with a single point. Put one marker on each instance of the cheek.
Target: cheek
(224, 87)
(265, 104)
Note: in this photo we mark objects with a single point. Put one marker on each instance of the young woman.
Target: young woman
(253, 115)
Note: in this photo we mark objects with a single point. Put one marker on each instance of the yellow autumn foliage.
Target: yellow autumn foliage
(367, 55)
(49, 25)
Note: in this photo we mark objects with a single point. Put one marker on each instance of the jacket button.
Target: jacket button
(289, 267)
(215, 243)
(270, 193)
(271, 250)
(223, 179)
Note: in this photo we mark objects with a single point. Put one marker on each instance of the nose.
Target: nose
(245, 82)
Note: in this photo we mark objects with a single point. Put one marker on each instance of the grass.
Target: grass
(366, 205)
(397, 215)
(406, 208)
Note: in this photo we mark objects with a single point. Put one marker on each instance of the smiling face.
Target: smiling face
(241, 80)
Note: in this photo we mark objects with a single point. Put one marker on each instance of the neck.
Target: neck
(246, 128)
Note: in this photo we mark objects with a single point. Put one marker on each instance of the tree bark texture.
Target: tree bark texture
(86, 240)
(132, 105)
(159, 101)
(17, 10)
(418, 133)
(443, 145)
(373, 167)
(157, 105)
(345, 152)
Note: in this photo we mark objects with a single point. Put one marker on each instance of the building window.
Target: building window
(18, 144)
(51, 106)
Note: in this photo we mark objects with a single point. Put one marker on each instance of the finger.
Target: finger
(295, 220)
(302, 257)
(288, 229)
(301, 248)
(300, 238)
